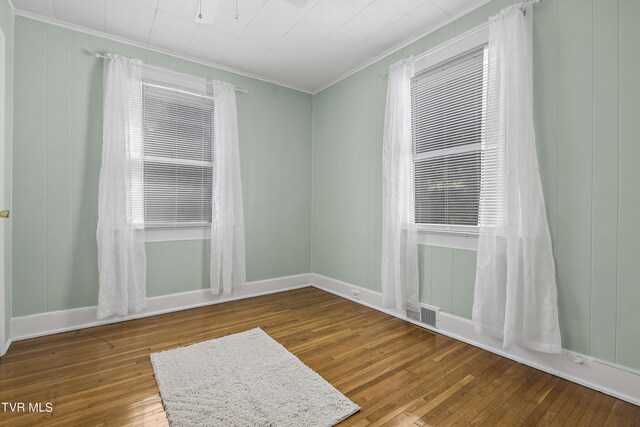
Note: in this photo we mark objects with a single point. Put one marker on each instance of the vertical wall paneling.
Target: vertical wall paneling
(374, 107)
(627, 342)
(575, 136)
(59, 85)
(586, 108)
(463, 282)
(173, 267)
(83, 213)
(426, 283)
(58, 180)
(546, 92)
(586, 112)
(341, 207)
(442, 278)
(29, 161)
(604, 276)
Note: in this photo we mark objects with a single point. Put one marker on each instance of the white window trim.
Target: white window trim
(457, 46)
(198, 85)
(171, 78)
(448, 240)
(473, 39)
(173, 234)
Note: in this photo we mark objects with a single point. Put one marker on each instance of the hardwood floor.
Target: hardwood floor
(398, 373)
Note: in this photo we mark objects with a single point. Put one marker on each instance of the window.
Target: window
(178, 153)
(448, 115)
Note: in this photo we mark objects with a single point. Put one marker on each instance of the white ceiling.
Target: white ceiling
(303, 47)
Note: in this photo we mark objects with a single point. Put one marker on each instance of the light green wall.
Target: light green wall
(58, 140)
(6, 23)
(586, 109)
(586, 112)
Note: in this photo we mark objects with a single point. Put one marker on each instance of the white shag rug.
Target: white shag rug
(245, 379)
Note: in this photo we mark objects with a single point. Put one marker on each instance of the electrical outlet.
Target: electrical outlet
(355, 293)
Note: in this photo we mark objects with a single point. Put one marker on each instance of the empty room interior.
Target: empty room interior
(319, 212)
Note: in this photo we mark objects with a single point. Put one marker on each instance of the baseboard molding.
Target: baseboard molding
(54, 322)
(608, 378)
(618, 381)
(4, 349)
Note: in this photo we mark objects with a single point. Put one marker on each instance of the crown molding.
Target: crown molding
(96, 33)
(404, 44)
(221, 67)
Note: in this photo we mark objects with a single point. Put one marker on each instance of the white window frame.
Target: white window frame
(471, 40)
(196, 85)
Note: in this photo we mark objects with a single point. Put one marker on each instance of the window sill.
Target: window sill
(175, 234)
(448, 240)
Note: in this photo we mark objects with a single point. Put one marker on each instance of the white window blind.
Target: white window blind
(178, 153)
(448, 104)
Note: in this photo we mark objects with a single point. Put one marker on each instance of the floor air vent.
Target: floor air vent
(429, 316)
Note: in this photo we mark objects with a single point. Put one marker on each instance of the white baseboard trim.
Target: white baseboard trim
(54, 322)
(615, 380)
(606, 377)
(4, 349)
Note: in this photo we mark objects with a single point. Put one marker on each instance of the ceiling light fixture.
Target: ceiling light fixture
(206, 11)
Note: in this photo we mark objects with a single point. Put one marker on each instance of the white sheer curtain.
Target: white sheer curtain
(399, 273)
(515, 292)
(227, 219)
(121, 253)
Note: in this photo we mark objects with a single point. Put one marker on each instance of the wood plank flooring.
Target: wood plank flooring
(398, 373)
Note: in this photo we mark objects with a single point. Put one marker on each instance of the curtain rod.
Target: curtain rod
(523, 7)
(237, 89)
(530, 2)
